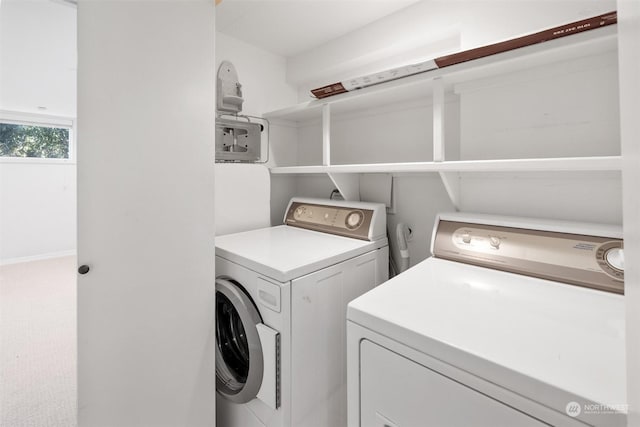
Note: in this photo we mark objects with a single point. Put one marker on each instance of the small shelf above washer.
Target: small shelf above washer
(604, 163)
(438, 90)
(420, 85)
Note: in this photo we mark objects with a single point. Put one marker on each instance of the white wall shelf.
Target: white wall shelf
(588, 43)
(435, 88)
(565, 164)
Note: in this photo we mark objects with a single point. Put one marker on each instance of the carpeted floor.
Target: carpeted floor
(38, 344)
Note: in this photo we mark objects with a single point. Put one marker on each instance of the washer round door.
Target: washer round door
(239, 359)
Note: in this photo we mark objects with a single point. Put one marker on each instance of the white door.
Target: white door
(146, 110)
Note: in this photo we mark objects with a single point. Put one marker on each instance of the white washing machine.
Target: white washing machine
(281, 299)
(511, 323)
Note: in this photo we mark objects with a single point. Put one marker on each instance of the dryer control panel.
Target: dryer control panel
(357, 220)
(580, 259)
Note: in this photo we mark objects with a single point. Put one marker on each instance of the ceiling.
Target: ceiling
(289, 27)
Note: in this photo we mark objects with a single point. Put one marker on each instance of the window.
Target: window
(35, 139)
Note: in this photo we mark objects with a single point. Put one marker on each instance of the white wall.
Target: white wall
(418, 199)
(262, 75)
(38, 57)
(37, 215)
(37, 69)
(559, 110)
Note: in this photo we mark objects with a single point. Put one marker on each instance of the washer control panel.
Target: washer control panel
(341, 220)
(590, 261)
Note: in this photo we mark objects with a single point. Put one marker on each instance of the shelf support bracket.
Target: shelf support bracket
(438, 120)
(451, 181)
(326, 134)
(348, 184)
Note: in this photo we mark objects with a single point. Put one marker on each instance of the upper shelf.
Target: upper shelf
(419, 86)
(564, 164)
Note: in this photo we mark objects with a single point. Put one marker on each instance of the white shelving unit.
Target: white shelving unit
(434, 84)
(565, 164)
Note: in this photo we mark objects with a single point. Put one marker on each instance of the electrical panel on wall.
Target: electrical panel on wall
(239, 138)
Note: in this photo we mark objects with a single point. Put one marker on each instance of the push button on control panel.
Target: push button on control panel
(299, 212)
(475, 239)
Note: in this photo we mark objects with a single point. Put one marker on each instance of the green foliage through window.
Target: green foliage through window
(34, 141)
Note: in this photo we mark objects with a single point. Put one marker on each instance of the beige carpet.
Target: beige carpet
(38, 344)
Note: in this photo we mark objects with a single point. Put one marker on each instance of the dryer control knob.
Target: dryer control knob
(466, 238)
(615, 258)
(494, 242)
(354, 219)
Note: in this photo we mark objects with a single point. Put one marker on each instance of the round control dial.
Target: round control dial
(615, 258)
(354, 219)
(610, 257)
(494, 242)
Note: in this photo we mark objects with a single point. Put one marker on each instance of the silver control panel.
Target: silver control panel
(348, 221)
(585, 260)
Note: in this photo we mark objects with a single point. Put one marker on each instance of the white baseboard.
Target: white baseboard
(39, 257)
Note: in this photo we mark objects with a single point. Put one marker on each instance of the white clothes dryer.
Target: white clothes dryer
(512, 322)
(281, 298)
